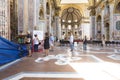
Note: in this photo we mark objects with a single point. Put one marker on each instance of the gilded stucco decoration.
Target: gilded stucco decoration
(72, 14)
(70, 20)
(41, 13)
(117, 7)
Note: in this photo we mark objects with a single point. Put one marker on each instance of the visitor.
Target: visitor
(51, 42)
(46, 44)
(28, 43)
(85, 43)
(36, 43)
(71, 40)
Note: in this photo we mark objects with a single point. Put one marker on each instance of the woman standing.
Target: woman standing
(46, 44)
(36, 43)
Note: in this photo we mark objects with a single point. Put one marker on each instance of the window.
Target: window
(69, 27)
(63, 26)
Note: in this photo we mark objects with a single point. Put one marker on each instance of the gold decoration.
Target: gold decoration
(41, 13)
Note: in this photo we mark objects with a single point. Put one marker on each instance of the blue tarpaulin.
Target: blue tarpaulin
(10, 51)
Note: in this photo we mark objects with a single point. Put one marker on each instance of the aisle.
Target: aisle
(62, 65)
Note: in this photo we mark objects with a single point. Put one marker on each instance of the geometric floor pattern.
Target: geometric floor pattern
(114, 56)
(85, 71)
(96, 63)
(51, 75)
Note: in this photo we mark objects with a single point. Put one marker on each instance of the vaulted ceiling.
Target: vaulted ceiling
(66, 2)
(73, 1)
(90, 2)
(82, 5)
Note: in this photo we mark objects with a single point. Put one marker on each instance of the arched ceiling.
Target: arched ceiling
(90, 2)
(65, 2)
(82, 5)
(71, 15)
(73, 1)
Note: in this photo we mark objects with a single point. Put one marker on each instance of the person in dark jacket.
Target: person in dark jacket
(46, 44)
(85, 43)
(28, 43)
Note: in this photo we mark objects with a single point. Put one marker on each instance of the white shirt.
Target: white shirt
(71, 39)
(36, 41)
(52, 38)
(63, 37)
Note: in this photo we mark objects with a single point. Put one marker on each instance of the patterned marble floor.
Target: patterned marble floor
(97, 63)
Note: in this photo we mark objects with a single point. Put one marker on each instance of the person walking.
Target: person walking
(46, 44)
(36, 43)
(71, 40)
(85, 43)
(51, 42)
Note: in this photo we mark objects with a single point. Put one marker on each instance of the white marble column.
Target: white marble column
(31, 17)
(111, 21)
(57, 31)
(25, 16)
(35, 8)
(7, 23)
(20, 15)
(59, 28)
(40, 24)
(93, 29)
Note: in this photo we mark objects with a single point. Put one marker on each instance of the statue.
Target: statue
(41, 13)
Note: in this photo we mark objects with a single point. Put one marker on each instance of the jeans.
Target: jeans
(84, 46)
(71, 46)
(35, 47)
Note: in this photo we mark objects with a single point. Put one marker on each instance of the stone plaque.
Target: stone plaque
(118, 25)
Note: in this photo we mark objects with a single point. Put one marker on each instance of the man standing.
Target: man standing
(85, 43)
(71, 40)
(51, 40)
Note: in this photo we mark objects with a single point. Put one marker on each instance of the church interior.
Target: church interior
(97, 20)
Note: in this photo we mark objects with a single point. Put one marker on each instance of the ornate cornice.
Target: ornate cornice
(56, 7)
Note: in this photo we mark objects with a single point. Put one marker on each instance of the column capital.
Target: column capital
(57, 11)
(92, 12)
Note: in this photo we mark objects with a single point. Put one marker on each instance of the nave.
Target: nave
(96, 63)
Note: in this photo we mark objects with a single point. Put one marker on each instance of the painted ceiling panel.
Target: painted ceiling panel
(73, 1)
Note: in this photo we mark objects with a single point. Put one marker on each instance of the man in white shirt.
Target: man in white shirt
(71, 40)
(36, 43)
(51, 40)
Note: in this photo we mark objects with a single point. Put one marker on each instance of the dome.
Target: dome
(71, 15)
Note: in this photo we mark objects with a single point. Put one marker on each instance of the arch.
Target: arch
(73, 5)
(99, 18)
(107, 25)
(71, 16)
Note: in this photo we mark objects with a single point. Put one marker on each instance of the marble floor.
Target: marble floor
(96, 63)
